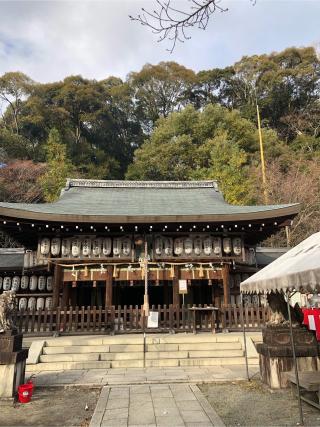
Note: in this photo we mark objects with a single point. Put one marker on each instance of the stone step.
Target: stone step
(196, 354)
(66, 357)
(58, 366)
(211, 346)
(192, 338)
(76, 349)
(213, 361)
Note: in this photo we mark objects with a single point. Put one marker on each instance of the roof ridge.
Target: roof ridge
(96, 183)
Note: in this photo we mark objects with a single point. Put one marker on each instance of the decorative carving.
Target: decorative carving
(7, 307)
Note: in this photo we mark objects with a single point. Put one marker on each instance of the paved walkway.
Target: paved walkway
(177, 405)
(124, 376)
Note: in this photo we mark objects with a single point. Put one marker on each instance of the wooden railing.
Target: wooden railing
(95, 320)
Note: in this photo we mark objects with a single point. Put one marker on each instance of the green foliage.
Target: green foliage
(58, 167)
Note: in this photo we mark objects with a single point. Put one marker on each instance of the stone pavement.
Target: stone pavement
(126, 376)
(178, 405)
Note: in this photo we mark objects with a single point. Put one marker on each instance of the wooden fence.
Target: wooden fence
(95, 320)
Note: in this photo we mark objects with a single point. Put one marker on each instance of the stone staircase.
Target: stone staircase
(127, 351)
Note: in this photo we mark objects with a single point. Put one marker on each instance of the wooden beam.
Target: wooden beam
(65, 294)
(108, 300)
(175, 287)
(57, 278)
(226, 285)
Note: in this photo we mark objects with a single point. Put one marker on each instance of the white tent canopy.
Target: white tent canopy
(296, 270)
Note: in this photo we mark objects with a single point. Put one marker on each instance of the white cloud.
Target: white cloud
(49, 40)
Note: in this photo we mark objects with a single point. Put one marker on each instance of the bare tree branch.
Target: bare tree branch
(172, 24)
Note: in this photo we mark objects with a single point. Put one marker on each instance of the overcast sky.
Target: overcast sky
(49, 40)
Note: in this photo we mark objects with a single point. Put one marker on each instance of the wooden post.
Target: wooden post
(108, 301)
(65, 294)
(175, 287)
(226, 286)
(57, 277)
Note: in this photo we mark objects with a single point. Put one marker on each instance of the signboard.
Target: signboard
(153, 319)
(183, 288)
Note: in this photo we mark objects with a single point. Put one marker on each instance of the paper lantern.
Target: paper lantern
(45, 246)
(178, 246)
(207, 245)
(126, 246)
(65, 247)
(158, 245)
(55, 246)
(168, 246)
(15, 283)
(188, 246)
(48, 303)
(24, 284)
(117, 246)
(75, 247)
(86, 246)
(237, 246)
(197, 244)
(227, 245)
(33, 283)
(106, 246)
(23, 304)
(42, 283)
(96, 247)
(6, 283)
(217, 246)
(32, 303)
(40, 303)
(49, 283)
(1, 280)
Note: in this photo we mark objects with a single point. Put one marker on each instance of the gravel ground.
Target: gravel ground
(56, 406)
(253, 404)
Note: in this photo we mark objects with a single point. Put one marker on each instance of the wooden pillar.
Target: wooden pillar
(108, 301)
(57, 278)
(226, 286)
(65, 294)
(175, 287)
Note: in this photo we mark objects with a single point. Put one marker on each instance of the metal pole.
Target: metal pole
(245, 341)
(294, 360)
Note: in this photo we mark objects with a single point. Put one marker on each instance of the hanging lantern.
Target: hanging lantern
(15, 283)
(24, 282)
(106, 246)
(65, 247)
(48, 303)
(178, 246)
(168, 246)
(6, 283)
(207, 245)
(55, 246)
(75, 247)
(49, 283)
(40, 303)
(32, 303)
(23, 302)
(86, 246)
(237, 246)
(227, 245)
(197, 244)
(117, 246)
(126, 246)
(1, 280)
(45, 246)
(33, 283)
(188, 246)
(158, 245)
(42, 283)
(96, 247)
(217, 246)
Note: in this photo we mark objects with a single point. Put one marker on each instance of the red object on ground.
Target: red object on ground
(25, 392)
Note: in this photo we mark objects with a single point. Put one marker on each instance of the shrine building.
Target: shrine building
(107, 243)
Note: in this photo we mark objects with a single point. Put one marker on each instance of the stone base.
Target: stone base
(10, 341)
(11, 376)
(275, 354)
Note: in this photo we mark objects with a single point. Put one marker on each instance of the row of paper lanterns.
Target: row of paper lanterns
(122, 246)
(33, 283)
(33, 303)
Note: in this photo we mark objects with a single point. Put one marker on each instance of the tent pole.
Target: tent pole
(294, 359)
(245, 340)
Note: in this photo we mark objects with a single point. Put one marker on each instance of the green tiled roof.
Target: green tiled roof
(87, 198)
